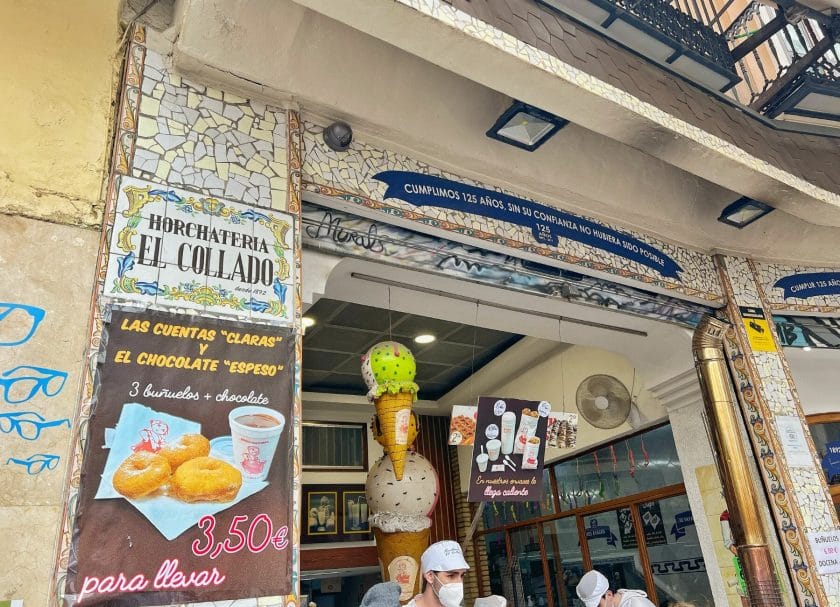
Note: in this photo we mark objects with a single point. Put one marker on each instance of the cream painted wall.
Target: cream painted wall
(556, 380)
(57, 73)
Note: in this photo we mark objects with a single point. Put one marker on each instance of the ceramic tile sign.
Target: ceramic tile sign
(758, 330)
(187, 471)
(826, 548)
(508, 450)
(809, 284)
(176, 249)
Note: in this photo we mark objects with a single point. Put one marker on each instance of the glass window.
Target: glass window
(640, 463)
(497, 564)
(676, 560)
(528, 577)
(826, 437)
(613, 548)
(334, 446)
(565, 563)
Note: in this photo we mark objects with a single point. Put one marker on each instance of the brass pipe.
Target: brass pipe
(739, 491)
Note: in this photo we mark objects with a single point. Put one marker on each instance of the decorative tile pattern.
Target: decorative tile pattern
(211, 141)
(231, 171)
(769, 273)
(349, 176)
(765, 390)
(574, 55)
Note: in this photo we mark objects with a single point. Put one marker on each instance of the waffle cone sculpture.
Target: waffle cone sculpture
(389, 369)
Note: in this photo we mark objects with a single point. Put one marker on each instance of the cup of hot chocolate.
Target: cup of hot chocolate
(255, 432)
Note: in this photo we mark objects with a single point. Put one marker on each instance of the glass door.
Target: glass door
(563, 556)
(613, 547)
(529, 584)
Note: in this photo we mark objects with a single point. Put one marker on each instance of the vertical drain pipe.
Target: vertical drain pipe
(745, 522)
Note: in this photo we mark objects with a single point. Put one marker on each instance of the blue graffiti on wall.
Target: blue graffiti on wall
(20, 384)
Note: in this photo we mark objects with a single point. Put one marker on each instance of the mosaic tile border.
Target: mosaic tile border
(495, 240)
(294, 147)
(122, 155)
(759, 376)
(479, 30)
(350, 175)
(766, 275)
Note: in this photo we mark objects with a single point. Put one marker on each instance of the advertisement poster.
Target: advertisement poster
(462, 425)
(186, 481)
(508, 450)
(652, 523)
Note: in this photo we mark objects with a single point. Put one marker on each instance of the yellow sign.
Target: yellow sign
(758, 330)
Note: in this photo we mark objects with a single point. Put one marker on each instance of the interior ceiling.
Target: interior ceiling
(602, 164)
(343, 332)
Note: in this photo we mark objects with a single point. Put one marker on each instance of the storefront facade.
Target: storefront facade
(427, 230)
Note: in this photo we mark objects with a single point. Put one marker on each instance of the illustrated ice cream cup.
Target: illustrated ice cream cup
(255, 432)
(531, 454)
(481, 460)
(493, 448)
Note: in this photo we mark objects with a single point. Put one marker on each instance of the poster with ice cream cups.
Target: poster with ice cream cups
(335, 513)
(187, 470)
(508, 450)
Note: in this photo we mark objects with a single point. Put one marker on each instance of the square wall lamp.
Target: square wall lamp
(525, 126)
(743, 212)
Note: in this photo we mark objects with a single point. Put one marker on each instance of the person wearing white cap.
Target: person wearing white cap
(443, 569)
(594, 590)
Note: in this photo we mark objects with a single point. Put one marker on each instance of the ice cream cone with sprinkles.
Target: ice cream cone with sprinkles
(389, 369)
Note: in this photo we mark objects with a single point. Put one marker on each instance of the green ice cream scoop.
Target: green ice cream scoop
(389, 367)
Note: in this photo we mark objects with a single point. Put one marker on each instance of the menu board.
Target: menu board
(187, 472)
(508, 451)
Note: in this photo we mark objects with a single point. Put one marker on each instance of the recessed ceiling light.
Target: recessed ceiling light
(425, 338)
(308, 321)
(806, 349)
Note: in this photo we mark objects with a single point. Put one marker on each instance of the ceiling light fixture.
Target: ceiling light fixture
(307, 321)
(425, 338)
(525, 126)
(743, 212)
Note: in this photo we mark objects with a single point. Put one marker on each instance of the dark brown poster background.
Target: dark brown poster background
(500, 481)
(116, 548)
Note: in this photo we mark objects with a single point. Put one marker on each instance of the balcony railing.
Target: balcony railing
(753, 51)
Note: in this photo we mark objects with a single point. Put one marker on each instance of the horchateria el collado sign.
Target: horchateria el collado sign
(174, 248)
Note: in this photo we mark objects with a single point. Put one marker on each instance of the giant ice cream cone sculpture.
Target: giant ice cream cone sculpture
(400, 513)
(389, 369)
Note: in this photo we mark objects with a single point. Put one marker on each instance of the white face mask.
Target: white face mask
(450, 595)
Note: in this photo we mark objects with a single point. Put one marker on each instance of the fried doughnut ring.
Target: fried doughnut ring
(188, 447)
(140, 474)
(206, 479)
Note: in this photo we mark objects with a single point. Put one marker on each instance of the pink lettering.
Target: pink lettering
(111, 584)
(168, 577)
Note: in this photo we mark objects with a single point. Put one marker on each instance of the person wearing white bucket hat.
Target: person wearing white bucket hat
(443, 568)
(594, 590)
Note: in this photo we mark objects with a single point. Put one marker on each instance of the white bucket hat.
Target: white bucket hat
(443, 556)
(592, 587)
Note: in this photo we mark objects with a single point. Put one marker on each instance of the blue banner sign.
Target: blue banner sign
(681, 521)
(831, 461)
(547, 224)
(810, 284)
(596, 531)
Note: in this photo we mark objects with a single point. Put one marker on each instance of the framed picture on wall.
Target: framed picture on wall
(335, 513)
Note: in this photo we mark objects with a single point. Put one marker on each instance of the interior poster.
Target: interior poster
(186, 480)
(508, 450)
